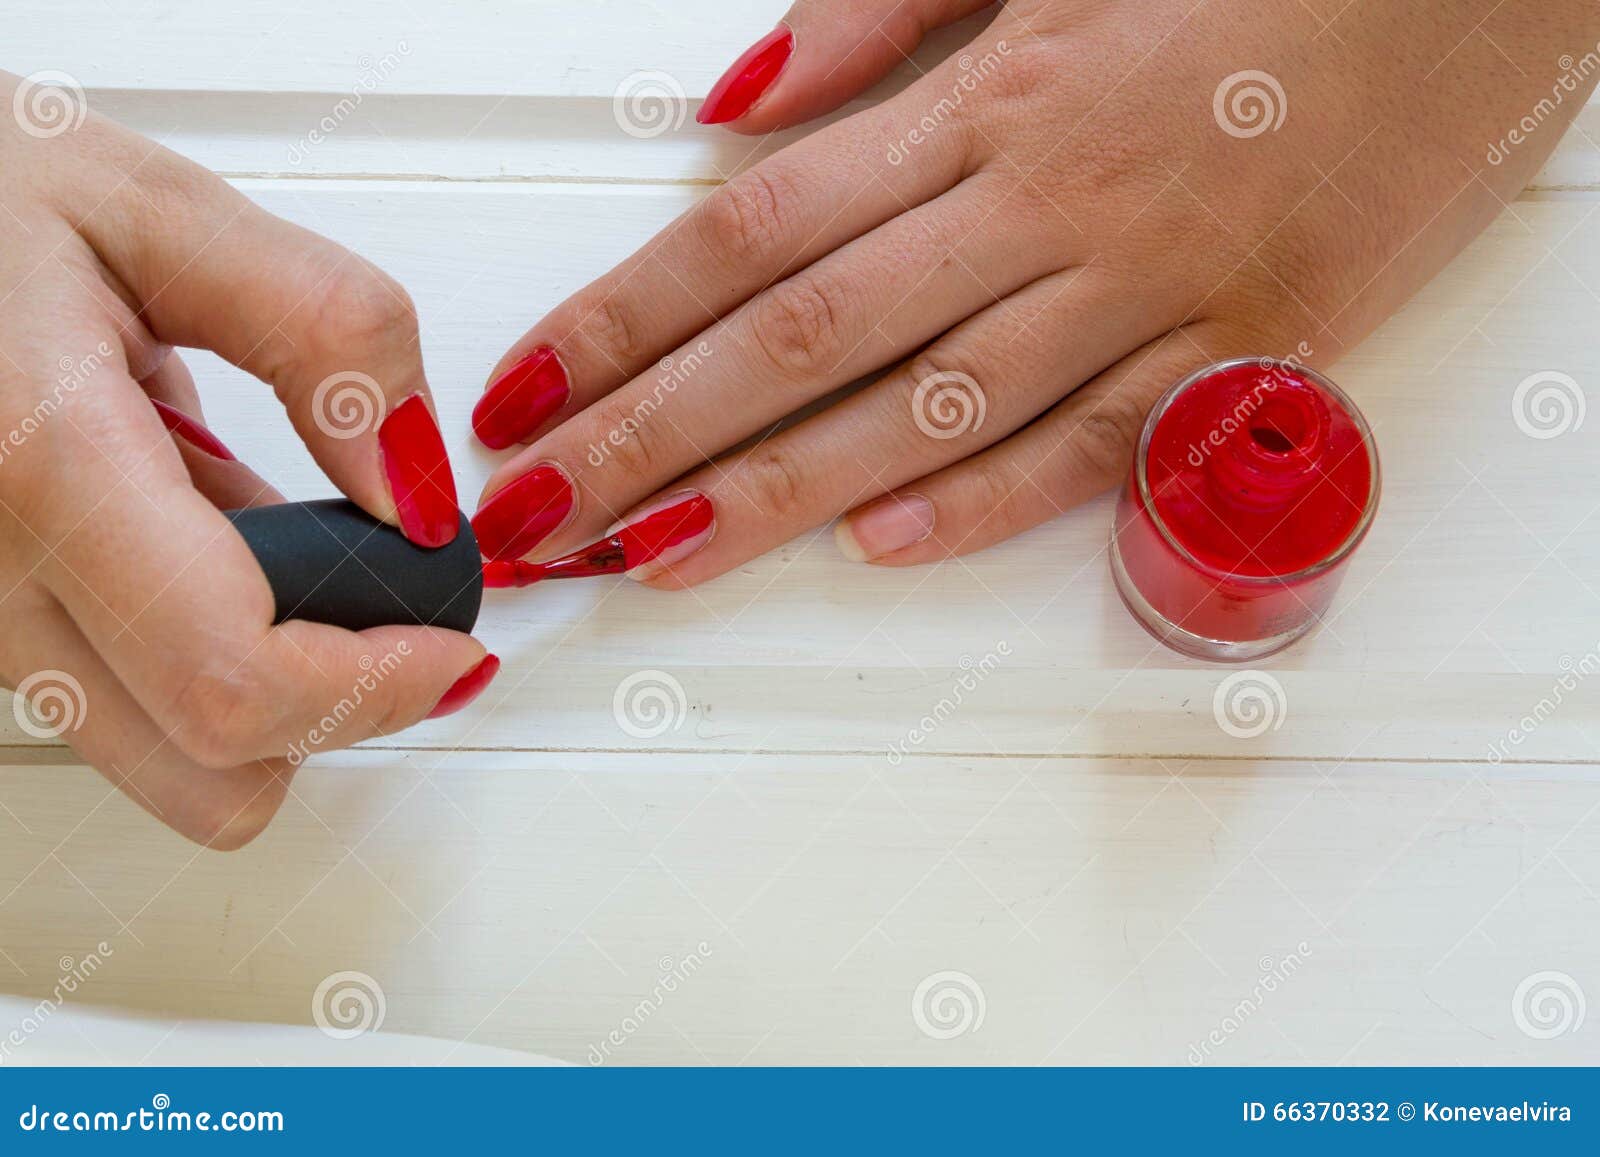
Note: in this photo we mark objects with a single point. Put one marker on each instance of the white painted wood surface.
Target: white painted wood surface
(1081, 839)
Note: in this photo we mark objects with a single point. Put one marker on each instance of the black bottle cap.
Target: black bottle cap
(331, 562)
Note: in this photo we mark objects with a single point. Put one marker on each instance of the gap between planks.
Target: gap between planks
(46, 755)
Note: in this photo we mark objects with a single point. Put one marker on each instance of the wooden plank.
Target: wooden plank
(1108, 911)
(1474, 594)
(468, 47)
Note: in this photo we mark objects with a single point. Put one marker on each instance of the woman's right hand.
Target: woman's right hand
(134, 623)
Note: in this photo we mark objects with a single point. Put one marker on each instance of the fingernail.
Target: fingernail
(192, 432)
(521, 400)
(467, 688)
(666, 532)
(883, 527)
(418, 469)
(519, 516)
(749, 78)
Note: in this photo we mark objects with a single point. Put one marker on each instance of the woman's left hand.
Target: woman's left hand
(1035, 239)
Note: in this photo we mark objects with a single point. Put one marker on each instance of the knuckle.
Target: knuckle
(223, 717)
(174, 185)
(775, 481)
(1104, 437)
(797, 323)
(994, 485)
(947, 392)
(236, 817)
(746, 220)
(629, 437)
(357, 305)
(609, 326)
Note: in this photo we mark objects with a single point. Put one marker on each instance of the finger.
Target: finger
(823, 53)
(86, 273)
(789, 211)
(70, 692)
(335, 337)
(869, 304)
(973, 387)
(1078, 449)
(213, 469)
(186, 622)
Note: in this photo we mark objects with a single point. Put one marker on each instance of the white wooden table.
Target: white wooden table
(1106, 870)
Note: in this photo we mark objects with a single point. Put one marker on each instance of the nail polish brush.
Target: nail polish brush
(624, 549)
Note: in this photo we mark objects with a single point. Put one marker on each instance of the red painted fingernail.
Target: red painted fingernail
(192, 432)
(418, 469)
(749, 78)
(668, 533)
(518, 517)
(521, 400)
(467, 688)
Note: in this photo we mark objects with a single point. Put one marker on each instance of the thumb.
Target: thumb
(822, 54)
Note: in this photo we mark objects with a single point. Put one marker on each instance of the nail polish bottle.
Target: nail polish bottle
(1253, 484)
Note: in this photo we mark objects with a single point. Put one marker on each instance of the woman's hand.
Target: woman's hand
(1035, 239)
(134, 622)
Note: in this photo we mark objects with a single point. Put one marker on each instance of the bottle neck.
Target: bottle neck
(1274, 455)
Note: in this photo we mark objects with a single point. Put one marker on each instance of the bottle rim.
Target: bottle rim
(1267, 365)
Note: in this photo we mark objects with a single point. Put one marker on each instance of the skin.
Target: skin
(1074, 235)
(116, 566)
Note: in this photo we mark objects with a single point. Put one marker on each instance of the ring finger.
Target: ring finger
(972, 388)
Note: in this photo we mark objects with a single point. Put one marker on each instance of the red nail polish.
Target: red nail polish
(518, 517)
(632, 546)
(521, 400)
(418, 469)
(192, 432)
(749, 78)
(1253, 484)
(467, 688)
